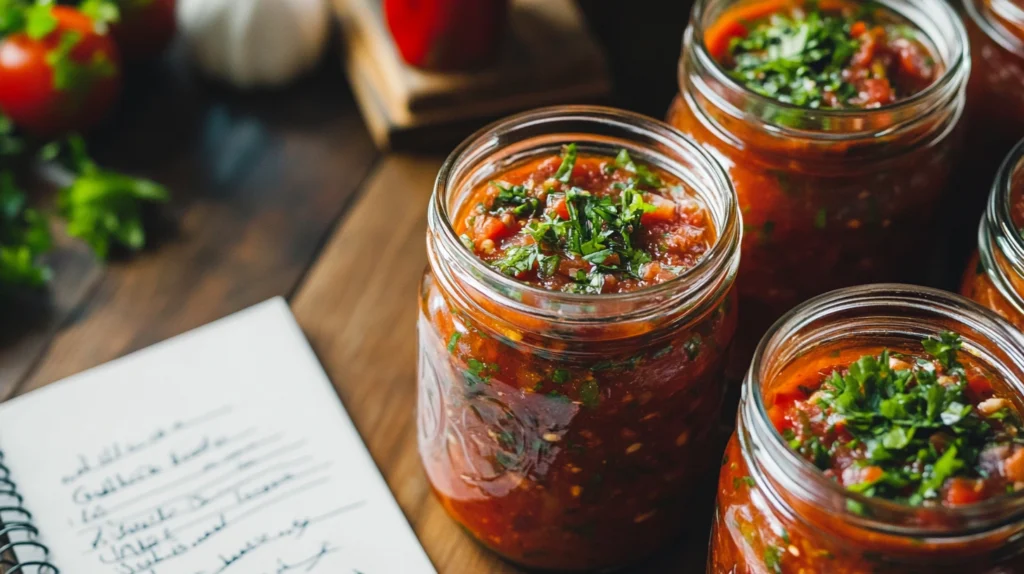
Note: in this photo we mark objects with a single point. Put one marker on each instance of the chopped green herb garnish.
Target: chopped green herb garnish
(564, 173)
(821, 218)
(796, 60)
(479, 373)
(453, 341)
(773, 558)
(910, 418)
(590, 394)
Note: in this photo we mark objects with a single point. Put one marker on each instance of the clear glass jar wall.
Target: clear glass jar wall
(566, 431)
(830, 197)
(777, 512)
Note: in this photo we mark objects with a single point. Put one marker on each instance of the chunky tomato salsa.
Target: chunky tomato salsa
(918, 428)
(587, 224)
(828, 200)
(565, 446)
(853, 55)
(927, 427)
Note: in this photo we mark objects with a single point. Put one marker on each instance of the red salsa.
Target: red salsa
(576, 444)
(995, 94)
(848, 55)
(587, 224)
(838, 150)
(918, 428)
(928, 428)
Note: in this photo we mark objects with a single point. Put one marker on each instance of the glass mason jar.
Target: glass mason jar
(995, 276)
(830, 197)
(565, 431)
(778, 513)
(995, 94)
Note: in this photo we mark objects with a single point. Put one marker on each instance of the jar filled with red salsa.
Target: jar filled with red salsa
(574, 322)
(995, 276)
(836, 123)
(880, 432)
(995, 95)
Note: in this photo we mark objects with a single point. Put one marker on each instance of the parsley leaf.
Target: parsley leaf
(564, 173)
(916, 430)
(24, 237)
(104, 208)
(39, 20)
(644, 175)
(796, 59)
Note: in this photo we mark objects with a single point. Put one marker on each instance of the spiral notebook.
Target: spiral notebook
(222, 451)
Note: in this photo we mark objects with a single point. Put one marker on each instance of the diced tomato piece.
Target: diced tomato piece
(878, 91)
(980, 387)
(664, 210)
(858, 28)
(965, 491)
(492, 228)
(871, 474)
(1013, 466)
(866, 53)
(560, 208)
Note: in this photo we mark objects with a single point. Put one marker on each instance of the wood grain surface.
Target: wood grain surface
(358, 308)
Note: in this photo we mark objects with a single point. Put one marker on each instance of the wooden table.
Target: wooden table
(274, 194)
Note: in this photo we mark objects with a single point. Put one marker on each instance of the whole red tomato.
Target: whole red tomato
(446, 34)
(64, 81)
(145, 29)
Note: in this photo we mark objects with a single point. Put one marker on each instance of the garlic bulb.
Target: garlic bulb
(252, 43)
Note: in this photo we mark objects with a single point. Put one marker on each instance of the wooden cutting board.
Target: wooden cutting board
(549, 57)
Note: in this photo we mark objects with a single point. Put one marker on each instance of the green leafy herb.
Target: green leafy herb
(796, 59)
(742, 481)
(914, 421)
(564, 173)
(103, 12)
(516, 197)
(821, 218)
(644, 175)
(479, 373)
(590, 394)
(71, 75)
(773, 558)
(39, 20)
(104, 208)
(24, 237)
(453, 341)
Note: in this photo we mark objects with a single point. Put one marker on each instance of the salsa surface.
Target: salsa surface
(828, 55)
(918, 428)
(586, 224)
(927, 427)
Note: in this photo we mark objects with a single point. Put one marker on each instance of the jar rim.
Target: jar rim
(724, 251)
(978, 517)
(998, 230)
(953, 78)
(995, 29)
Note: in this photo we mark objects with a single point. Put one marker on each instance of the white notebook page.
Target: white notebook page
(224, 450)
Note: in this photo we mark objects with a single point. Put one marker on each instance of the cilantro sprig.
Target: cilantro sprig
(797, 59)
(599, 230)
(915, 422)
(104, 208)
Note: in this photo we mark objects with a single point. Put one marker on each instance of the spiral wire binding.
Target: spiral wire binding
(9, 492)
